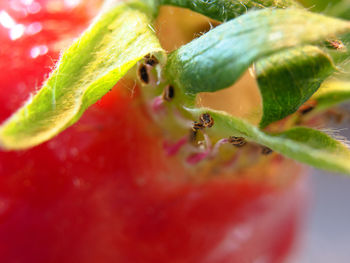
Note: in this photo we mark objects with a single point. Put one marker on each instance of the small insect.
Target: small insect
(169, 93)
(335, 44)
(266, 150)
(237, 141)
(143, 74)
(151, 60)
(206, 120)
(197, 126)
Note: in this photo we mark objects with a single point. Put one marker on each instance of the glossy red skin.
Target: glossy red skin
(21, 74)
(105, 191)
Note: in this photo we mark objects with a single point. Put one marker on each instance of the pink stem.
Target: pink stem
(158, 104)
(172, 149)
(197, 157)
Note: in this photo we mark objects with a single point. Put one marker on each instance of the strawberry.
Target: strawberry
(123, 155)
(32, 35)
(107, 190)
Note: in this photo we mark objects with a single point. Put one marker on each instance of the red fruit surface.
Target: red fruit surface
(105, 191)
(32, 34)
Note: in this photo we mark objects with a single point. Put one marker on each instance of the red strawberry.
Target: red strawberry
(106, 191)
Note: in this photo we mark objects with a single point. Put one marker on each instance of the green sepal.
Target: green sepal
(223, 10)
(289, 78)
(337, 8)
(217, 59)
(331, 93)
(119, 37)
(303, 144)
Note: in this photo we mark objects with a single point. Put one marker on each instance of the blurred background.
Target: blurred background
(327, 231)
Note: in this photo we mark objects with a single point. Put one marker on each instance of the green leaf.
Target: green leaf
(296, 73)
(331, 93)
(320, 5)
(223, 10)
(340, 9)
(336, 8)
(303, 144)
(118, 39)
(217, 59)
(289, 78)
